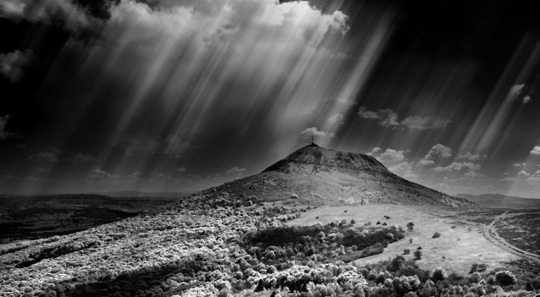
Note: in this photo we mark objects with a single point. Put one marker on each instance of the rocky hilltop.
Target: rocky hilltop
(314, 176)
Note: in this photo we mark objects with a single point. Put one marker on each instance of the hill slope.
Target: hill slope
(502, 201)
(314, 175)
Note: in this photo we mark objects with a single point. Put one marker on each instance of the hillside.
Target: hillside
(313, 175)
(502, 201)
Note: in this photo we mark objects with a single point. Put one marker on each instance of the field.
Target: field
(45, 216)
(460, 244)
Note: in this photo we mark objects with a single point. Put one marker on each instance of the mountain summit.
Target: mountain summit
(314, 175)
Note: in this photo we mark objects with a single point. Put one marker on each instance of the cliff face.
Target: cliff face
(323, 176)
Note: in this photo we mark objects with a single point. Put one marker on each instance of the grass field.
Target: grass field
(460, 245)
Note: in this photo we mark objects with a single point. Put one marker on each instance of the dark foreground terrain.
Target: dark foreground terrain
(45, 216)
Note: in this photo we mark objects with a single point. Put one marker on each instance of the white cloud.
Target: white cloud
(44, 157)
(526, 99)
(98, 173)
(534, 179)
(388, 118)
(523, 173)
(374, 151)
(12, 64)
(46, 11)
(313, 131)
(515, 91)
(404, 170)
(473, 174)
(336, 119)
(470, 156)
(458, 166)
(181, 169)
(519, 164)
(435, 154)
(507, 179)
(391, 155)
(235, 171)
(535, 150)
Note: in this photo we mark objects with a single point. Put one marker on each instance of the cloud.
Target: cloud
(12, 64)
(307, 133)
(235, 171)
(515, 91)
(336, 119)
(534, 179)
(519, 164)
(98, 173)
(80, 158)
(391, 155)
(172, 146)
(388, 118)
(404, 170)
(458, 166)
(523, 173)
(3, 127)
(470, 156)
(374, 151)
(473, 175)
(507, 179)
(435, 154)
(535, 151)
(49, 12)
(526, 99)
(181, 169)
(44, 157)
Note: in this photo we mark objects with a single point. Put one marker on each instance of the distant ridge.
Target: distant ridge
(316, 175)
(502, 201)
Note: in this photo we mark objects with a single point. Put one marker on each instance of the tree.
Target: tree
(418, 254)
(410, 226)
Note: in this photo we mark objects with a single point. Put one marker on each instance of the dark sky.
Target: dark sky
(167, 95)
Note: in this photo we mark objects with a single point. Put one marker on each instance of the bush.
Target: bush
(478, 267)
(436, 235)
(438, 274)
(406, 251)
(410, 226)
(418, 254)
(505, 278)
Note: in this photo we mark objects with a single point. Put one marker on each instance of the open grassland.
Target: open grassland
(460, 244)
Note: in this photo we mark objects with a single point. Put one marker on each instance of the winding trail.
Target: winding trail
(490, 233)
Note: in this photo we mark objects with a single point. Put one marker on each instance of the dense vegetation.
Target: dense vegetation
(209, 247)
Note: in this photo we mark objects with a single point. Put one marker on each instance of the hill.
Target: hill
(313, 175)
(502, 201)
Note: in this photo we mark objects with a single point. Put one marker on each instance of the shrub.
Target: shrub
(438, 274)
(478, 267)
(406, 251)
(436, 235)
(410, 226)
(418, 254)
(505, 278)
(475, 277)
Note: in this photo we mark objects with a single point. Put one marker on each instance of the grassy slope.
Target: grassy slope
(460, 243)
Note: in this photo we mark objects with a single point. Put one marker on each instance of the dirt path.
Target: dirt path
(490, 233)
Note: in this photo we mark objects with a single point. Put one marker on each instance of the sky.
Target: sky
(176, 96)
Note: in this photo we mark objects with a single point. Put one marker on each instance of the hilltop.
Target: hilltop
(314, 175)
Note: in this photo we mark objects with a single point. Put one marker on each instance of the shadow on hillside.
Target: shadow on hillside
(149, 281)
